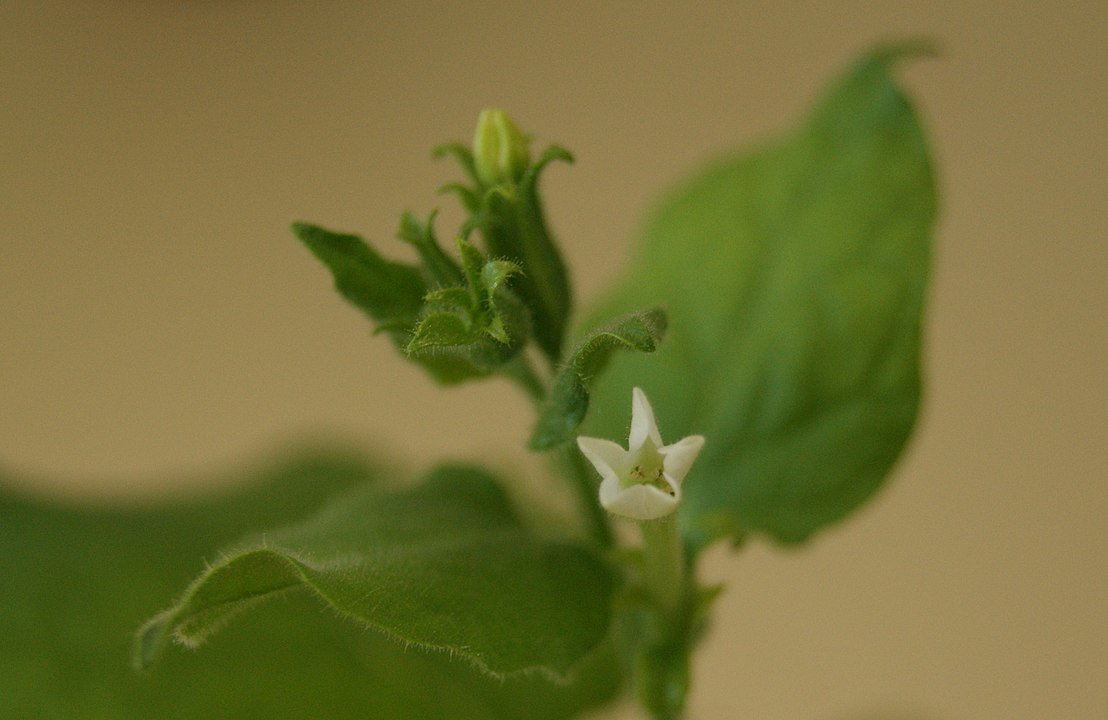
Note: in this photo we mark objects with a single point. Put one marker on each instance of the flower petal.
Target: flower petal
(609, 459)
(678, 457)
(638, 502)
(643, 424)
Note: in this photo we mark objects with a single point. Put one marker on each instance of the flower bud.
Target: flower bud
(500, 152)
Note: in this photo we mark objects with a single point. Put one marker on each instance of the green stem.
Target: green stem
(664, 563)
(662, 665)
(577, 471)
(520, 371)
(581, 478)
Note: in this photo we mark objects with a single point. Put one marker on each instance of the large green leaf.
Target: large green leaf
(75, 582)
(794, 280)
(445, 565)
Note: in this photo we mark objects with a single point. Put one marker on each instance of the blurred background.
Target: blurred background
(159, 324)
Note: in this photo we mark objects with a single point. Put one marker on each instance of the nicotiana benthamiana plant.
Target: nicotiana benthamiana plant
(763, 347)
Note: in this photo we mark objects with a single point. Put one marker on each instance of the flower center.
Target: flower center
(647, 470)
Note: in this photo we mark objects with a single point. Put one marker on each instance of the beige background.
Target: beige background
(157, 320)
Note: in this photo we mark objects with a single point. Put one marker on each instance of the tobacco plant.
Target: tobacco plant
(753, 372)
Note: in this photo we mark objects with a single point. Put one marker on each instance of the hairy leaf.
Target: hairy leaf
(76, 581)
(569, 397)
(794, 280)
(445, 565)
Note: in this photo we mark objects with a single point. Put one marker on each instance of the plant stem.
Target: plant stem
(519, 370)
(662, 665)
(664, 563)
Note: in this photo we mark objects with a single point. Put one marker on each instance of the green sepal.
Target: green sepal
(549, 155)
(568, 402)
(495, 273)
(390, 293)
(479, 325)
(465, 195)
(509, 320)
(438, 330)
(501, 314)
(453, 350)
(462, 154)
(449, 299)
(473, 261)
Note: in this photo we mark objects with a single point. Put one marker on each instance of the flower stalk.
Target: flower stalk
(663, 557)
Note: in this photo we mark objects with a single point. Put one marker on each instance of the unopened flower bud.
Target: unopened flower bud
(500, 151)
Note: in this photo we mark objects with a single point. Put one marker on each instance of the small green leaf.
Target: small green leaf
(443, 271)
(445, 566)
(794, 279)
(448, 338)
(390, 293)
(569, 399)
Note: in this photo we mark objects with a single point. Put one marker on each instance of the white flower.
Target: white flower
(642, 482)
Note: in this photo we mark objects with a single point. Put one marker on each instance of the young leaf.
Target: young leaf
(794, 280)
(445, 565)
(64, 633)
(443, 336)
(569, 398)
(442, 269)
(394, 294)
(390, 293)
(439, 330)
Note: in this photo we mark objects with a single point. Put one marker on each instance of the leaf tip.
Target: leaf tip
(887, 54)
(149, 641)
(307, 233)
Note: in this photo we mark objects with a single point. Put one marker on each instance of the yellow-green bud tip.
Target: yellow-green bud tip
(500, 151)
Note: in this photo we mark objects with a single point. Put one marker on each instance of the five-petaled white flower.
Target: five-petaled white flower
(642, 482)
